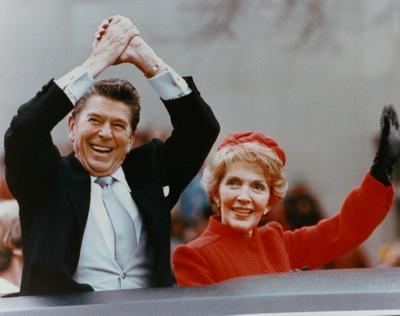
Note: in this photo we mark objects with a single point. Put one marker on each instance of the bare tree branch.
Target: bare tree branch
(219, 16)
(310, 21)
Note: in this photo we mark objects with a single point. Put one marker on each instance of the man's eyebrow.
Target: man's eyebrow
(119, 119)
(93, 114)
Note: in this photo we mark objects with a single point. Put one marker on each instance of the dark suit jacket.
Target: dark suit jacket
(54, 192)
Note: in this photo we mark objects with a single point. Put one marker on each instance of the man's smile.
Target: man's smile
(101, 148)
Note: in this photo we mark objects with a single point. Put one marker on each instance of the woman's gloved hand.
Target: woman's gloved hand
(388, 147)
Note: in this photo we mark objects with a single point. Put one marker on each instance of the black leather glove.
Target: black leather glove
(388, 146)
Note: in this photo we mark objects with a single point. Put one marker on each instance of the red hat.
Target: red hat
(234, 139)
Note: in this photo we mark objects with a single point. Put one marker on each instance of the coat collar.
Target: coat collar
(215, 225)
(78, 187)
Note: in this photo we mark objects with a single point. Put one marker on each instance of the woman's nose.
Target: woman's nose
(243, 195)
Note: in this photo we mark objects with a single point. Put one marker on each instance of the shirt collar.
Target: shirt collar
(118, 175)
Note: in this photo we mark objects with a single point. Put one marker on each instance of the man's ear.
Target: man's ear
(71, 128)
(131, 141)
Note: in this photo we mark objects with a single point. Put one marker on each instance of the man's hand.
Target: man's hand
(140, 54)
(112, 37)
(137, 51)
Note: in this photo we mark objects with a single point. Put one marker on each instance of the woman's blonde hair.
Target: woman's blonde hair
(265, 157)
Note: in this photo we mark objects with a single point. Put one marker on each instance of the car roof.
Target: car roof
(370, 291)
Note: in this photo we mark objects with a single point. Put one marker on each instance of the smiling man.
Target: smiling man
(99, 218)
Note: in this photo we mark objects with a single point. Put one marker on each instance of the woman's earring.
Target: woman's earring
(216, 201)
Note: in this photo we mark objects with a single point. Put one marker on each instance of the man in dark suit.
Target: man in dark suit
(69, 237)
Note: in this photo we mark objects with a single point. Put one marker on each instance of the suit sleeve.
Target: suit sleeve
(363, 210)
(195, 130)
(190, 268)
(30, 154)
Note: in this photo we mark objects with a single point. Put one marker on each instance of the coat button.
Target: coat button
(123, 275)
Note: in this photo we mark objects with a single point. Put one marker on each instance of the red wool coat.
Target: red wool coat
(220, 254)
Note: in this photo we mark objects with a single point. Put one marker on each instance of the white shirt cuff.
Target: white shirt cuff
(75, 83)
(169, 85)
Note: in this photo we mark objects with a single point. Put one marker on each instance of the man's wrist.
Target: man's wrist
(94, 65)
(154, 68)
(152, 71)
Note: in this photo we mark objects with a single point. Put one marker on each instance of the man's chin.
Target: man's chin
(100, 170)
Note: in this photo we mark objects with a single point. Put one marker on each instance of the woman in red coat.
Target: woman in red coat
(245, 180)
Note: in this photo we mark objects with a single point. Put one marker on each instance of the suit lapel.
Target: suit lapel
(78, 188)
